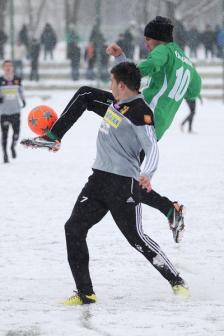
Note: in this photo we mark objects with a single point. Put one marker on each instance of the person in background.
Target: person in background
(104, 73)
(143, 52)
(90, 58)
(128, 43)
(75, 56)
(209, 40)
(193, 41)
(48, 40)
(24, 39)
(11, 91)
(3, 40)
(219, 42)
(180, 34)
(19, 56)
(121, 41)
(71, 37)
(34, 59)
(189, 119)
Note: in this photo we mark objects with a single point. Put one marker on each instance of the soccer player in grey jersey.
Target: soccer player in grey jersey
(11, 93)
(115, 185)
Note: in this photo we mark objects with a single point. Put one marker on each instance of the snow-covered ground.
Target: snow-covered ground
(38, 191)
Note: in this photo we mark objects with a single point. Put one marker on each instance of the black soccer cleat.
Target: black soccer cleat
(13, 151)
(176, 222)
(5, 158)
(42, 142)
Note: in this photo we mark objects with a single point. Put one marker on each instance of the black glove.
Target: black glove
(24, 103)
(1, 99)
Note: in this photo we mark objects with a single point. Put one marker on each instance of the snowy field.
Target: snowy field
(38, 191)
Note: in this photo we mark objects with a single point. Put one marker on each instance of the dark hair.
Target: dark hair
(7, 61)
(128, 73)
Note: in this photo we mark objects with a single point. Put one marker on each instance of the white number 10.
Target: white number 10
(181, 84)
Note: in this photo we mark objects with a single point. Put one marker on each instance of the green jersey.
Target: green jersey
(172, 78)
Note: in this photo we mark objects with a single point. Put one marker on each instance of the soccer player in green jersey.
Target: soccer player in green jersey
(172, 76)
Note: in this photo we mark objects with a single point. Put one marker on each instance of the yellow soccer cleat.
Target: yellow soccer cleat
(80, 299)
(181, 291)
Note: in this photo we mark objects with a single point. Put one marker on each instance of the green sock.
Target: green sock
(52, 136)
(170, 213)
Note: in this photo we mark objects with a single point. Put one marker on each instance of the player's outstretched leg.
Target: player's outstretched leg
(86, 98)
(172, 210)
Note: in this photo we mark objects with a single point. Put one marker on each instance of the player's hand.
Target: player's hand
(114, 50)
(144, 182)
(24, 103)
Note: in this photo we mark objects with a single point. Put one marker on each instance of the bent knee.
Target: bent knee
(74, 228)
(84, 89)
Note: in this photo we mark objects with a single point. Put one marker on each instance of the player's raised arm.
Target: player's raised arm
(114, 50)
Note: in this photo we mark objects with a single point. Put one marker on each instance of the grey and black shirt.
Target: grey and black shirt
(126, 130)
(12, 93)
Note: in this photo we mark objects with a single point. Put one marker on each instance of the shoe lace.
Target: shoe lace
(76, 294)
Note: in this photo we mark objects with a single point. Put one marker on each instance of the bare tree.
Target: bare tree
(75, 12)
(71, 12)
(145, 11)
(34, 15)
(199, 7)
(3, 5)
(170, 9)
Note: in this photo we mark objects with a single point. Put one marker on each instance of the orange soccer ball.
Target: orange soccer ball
(41, 119)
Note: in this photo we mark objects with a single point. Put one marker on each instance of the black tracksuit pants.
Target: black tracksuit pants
(98, 101)
(121, 196)
(189, 119)
(6, 121)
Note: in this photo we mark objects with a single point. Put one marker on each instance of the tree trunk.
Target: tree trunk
(67, 16)
(34, 18)
(170, 10)
(75, 12)
(38, 16)
(71, 12)
(145, 11)
(3, 4)
(30, 15)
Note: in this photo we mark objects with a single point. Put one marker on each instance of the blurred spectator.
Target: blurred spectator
(75, 56)
(19, 56)
(121, 41)
(24, 39)
(104, 73)
(71, 37)
(34, 59)
(189, 119)
(193, 41)
(3, 39)
(98, 40)
(180, 34)
(96, 36)
(208, 40)
(49, 40)
(143, 52)
(12, 93)
(129, 44)
(90, 58)
(219, 34)
(95, 52)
